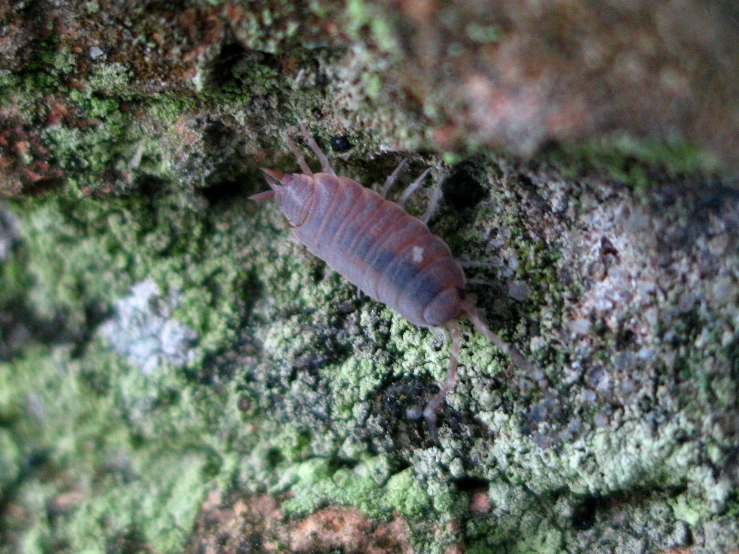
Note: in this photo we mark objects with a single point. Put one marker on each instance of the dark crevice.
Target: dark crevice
(462, 188)
(224, 192)
(340, 144)
(472, 485)
(232, 54)
(234, 64)
(584, 514)
(593, 508)
(150, 186)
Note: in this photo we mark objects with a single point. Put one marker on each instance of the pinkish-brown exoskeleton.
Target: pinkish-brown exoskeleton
(387, 253)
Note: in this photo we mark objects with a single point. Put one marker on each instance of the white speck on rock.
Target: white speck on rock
(603, 304)
(144, 332)
(580, 327)
(518, 291)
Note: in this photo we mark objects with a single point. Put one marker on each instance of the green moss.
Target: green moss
(63, 61)
(7, 80)
(147, 439)
(113, 78)
(273, 29)
(14, 279)
(405, 494)
(158, 508)
(88, 252)
(103, 143)
(84, 154)
(351, 384)
(289, 363)
(169, 107)
(483, 33)
(363, 14)
(315, 483)
(11, 458)
(631, 161)
(283, 416)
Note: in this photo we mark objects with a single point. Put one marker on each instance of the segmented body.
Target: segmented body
(375, 244)
(388, 253)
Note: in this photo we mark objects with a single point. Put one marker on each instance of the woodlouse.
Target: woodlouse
(387, 253)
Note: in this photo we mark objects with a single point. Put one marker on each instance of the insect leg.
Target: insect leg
(435, 403)
(412, 188)
(325, 165)
(482, 282)
(473, 263)
(298, 156)
(435, 198)
(390, 181)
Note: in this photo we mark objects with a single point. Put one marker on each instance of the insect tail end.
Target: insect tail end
(272, 177)
(263, 196)
(274, 180)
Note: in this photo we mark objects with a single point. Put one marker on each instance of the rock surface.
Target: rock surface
(176, 373)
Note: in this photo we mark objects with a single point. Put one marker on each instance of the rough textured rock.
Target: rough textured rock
(176, 373)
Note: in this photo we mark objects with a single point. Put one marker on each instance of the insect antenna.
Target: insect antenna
(474, 317)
